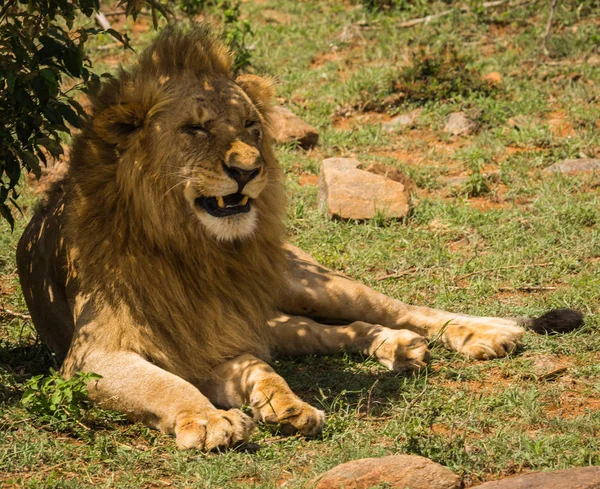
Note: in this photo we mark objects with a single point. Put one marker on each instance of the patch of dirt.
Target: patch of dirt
(353, 120)
(346, 58)
(308, 179)
(571, 404)
(559, 124)
(486, 203)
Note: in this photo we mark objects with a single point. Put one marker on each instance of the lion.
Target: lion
(159, 261)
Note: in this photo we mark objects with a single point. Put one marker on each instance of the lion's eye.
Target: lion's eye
(251, 124)
(195, 129)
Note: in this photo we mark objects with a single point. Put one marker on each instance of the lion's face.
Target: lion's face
(218, 163)
(201, 145)
(213, 155)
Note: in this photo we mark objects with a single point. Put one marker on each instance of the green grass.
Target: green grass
(460, 249)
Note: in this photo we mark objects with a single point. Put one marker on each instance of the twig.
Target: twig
(9, 312)
(429, 18)
(397, 275)
(526, 288)
(413, 401)
(108, 47)
(102, 20)
(485, 270)
(549, 25)
(115, 13)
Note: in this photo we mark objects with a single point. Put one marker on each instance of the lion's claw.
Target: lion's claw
(218, 430)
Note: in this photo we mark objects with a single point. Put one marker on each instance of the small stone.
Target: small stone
(407, 120)
(348, 192)
(575, 166)
(459, 124)
(393, 472)
(456, 182)
(577, 478)
(289, 128)
(494, 78)
(547, 367)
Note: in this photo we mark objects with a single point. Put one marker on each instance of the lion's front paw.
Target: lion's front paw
(483, 338)
(400, 350)
(295, 416)
(216, 430)
(279, 408)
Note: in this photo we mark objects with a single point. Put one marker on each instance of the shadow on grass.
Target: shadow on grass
(18, 363)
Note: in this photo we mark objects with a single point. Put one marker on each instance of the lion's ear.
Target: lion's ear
(260, 90)
(116, 123)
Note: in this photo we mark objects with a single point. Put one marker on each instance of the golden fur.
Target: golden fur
(132, 231)
(135, 270)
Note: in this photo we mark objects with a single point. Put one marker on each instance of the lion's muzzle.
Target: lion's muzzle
(224, 206)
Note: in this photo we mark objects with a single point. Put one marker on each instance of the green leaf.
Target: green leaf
(53, 147)
(31, 162)
(6, 214)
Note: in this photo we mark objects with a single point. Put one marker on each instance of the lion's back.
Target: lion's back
(42, 267)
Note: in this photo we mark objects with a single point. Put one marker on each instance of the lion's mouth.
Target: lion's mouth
(227, 205)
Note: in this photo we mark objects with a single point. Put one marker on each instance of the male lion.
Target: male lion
(159, 261)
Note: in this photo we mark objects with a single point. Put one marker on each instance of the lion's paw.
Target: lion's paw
(217, 430)
(400, 350)
(285, 412)
(483, 338)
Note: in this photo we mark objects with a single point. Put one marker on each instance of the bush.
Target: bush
(54, 398)
(39, 50)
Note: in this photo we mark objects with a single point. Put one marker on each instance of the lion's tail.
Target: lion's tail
(554, 321)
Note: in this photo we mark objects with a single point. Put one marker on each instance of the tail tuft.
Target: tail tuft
(556, 321)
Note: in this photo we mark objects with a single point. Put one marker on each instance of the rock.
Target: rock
(396, 471)
(289, 128)
(494, 78)
(459, 124)
(573, 166)
(392, 173)
(547, 367)
(405, 120)
(350, 193)
(456, 182)
(578, 478)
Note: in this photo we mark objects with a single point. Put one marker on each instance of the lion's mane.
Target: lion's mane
(166, 284)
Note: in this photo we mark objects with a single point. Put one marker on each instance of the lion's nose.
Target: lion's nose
(241, 175)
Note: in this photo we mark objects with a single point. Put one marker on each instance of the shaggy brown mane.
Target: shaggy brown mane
(139, 252)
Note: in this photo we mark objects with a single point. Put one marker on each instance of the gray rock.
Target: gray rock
(574, 166)
(548, 367)
(578, 478)
(393, 472)
(458, 124)
(405, 120)
(456, 182)
(347, 192)
(289, 128)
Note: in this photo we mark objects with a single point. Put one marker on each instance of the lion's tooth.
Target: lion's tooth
(220, 202)
(244, 200)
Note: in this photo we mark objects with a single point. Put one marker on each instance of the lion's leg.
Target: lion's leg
(396, 349)
(312, 290)
(160, 399)
(248, 380)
